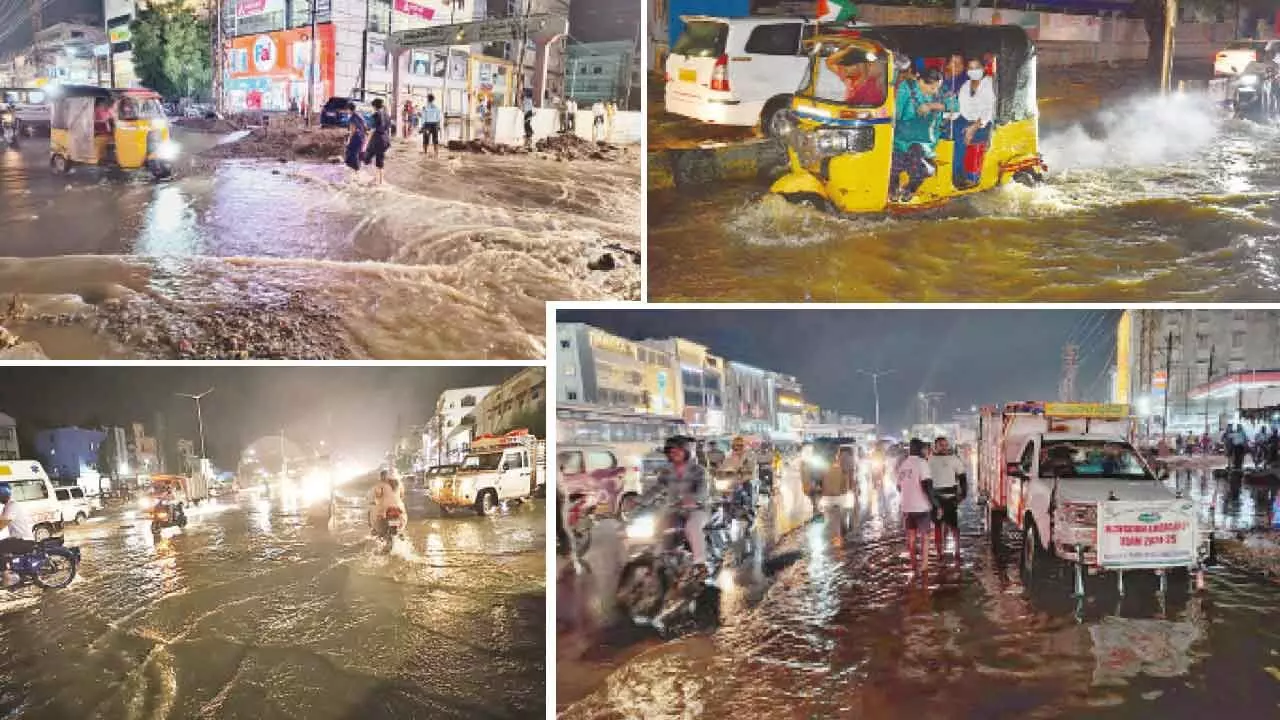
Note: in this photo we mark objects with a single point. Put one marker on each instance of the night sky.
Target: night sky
(55, 12)
(355, 409)
(976, 357)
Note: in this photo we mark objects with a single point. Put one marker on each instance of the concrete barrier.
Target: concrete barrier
(508, 126)
(759, 160)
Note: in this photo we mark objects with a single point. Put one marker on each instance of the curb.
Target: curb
(761, 160)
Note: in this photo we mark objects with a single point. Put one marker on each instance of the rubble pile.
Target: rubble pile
(286, 142)
(485, 147)
(296, 328)
(1255, 550)
(218, 125)
(572, 147)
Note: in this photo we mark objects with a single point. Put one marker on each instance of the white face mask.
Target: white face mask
(976, 74)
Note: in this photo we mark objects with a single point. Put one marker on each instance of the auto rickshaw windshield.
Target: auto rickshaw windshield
(851, 75)
(132, 108)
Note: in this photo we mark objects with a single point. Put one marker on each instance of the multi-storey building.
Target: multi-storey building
(453, 426)
(522, 399)
(8, 438)
(749, 399)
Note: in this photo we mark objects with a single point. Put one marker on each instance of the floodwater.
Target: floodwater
(831, 626)
(454, 258)
(253, 612)
(1156, 199)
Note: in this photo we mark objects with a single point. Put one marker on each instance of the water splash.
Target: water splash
(1144, 131)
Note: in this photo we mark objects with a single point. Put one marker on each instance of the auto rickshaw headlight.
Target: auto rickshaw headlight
(167, 150)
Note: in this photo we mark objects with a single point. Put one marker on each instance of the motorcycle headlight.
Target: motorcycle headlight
(817, 463)
(6, 117)
(146, 503)
(644, 527)
(1249, 79)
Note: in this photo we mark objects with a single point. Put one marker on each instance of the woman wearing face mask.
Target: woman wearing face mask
(972, 128)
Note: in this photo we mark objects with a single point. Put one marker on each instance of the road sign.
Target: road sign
(485, 31)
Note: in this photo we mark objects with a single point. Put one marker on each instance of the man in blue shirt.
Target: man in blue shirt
(431, 119)
(918, 119)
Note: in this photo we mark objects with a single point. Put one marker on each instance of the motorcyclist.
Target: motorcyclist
(685, 484)
(387, 494)
(20, 539)
(739, 460)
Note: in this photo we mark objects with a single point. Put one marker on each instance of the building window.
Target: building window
(1202, 341)
(636, 379)
(1237, 339)
(573, 395)
(564, 344)
(570, 370)
(469, 401)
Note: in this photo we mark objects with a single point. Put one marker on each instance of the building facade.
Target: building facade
(8, 438)
(521, 400)
(790, 408)
(453, 426)
(750, 405)
(1170, 353)
(70, 454)
(602, 72)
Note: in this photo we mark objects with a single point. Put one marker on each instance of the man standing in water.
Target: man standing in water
(379, 141)
(951, 484)
(918, 504)
(431, 117)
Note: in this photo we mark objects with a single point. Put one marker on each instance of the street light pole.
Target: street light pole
(875, 389)
(199, 414)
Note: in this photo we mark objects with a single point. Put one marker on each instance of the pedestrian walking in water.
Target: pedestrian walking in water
(571, 115)
(379, 141)
(527, 107)
(357, 135)
(919, 505)
(597, 121)
(431, 119)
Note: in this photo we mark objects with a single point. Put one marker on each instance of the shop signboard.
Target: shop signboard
(416, 9)
(120, 34)
(114, 9)
(485, 31)
(268, 71)
(1146, 534)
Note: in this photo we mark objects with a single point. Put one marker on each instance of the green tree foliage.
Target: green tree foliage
(171, 50)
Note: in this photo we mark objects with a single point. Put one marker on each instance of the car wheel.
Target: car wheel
(81, 518)
(58, 163)
(773, 120)
(487, 503)
(1035, 560)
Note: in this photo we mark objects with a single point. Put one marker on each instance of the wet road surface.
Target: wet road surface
(1152, 199)
(453, 258)
(253, 612)
(829, 626)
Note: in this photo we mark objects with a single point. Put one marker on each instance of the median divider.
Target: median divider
(760, 160)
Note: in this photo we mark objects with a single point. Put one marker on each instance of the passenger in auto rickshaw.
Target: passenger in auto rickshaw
(917, 122)
(863, 77)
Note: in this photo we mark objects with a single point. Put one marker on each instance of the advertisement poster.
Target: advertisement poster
(1146, 534)
(420, 63)
(247, 8)
(409, 7)
(438, 62)
(268, 71)
(457, 67)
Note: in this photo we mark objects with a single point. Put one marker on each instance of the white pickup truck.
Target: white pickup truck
(1069, 478)
(497, 470)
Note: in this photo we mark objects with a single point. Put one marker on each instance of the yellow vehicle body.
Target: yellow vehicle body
(856, 180)
(138, 136)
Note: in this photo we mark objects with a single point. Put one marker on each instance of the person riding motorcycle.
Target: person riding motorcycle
(9, 121)
(387, 494)
(685, 484)
(20, 539)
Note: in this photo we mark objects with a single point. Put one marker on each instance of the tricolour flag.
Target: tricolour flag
(836, 11)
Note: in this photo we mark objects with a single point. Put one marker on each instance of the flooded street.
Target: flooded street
(453, 258)
(1152, 199)
(253, 612)
(829, 626)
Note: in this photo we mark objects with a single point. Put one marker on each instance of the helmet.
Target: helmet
(6, 492)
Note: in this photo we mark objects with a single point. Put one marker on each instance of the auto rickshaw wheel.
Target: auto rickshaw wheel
(808, 200)
(161, 170)
(1030, 178)
(59, 164)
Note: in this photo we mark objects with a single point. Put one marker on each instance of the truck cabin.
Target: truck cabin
(479, 462)
(1080, 457)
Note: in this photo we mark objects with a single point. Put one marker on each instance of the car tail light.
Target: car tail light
(720, 75)
(393, 512)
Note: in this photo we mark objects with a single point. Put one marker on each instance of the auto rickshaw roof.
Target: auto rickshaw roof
(65, 91)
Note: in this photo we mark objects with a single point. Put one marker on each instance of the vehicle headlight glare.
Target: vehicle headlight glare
(1249, 79)
(168, 150)
(642, 528)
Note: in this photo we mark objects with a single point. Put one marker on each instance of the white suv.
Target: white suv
(737, 71)
(76, 508)
(32, 488)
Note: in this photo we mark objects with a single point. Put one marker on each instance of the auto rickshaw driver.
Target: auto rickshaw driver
(864, 78)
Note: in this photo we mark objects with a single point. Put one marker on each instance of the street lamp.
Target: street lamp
(199, 415)
(875, 389)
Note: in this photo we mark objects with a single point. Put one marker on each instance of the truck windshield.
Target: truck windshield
(487, 461)
(1091, 459)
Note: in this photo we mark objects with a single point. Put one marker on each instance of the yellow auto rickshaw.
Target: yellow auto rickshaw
(116, 128)
(841, 126)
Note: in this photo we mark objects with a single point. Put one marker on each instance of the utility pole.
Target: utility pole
(1166, 62)
(199, 415)
(311, 69)
(1168, 369)
(1067, 384)
(1209, 380)
(219, 57)
(875, 389)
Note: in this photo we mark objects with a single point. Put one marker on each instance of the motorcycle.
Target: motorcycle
(393, 529)
(48, 564)
(166, 514)
(765, 475)
(732, 521)
(9, 128)
(1253, 93)
(581, 519)
(661, 580)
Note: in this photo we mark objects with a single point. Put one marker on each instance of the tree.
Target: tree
(171, 50)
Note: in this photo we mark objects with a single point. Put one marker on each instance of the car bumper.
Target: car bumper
(713, 108)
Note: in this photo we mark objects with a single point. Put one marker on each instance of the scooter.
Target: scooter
(48, 564)
(660, 582)
(9, 128)
(1253, 93)
(167, 514)
(394, 528)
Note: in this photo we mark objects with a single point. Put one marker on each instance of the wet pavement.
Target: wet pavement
(453, 258)
(1152, 199)
(829, 625)
(252, 611)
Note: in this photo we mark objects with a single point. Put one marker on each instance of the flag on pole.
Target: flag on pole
(836, 11)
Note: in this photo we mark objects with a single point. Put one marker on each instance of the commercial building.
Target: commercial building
(604, 72)
(597, 368)
(790, 406)
(1167, 358)
(61, 53)
(749, 405)
(453, 426)
(70, 454)
(8, 438)
(520, 402)
(701, 378)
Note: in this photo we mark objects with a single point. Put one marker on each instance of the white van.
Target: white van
(32, 488)
(737, 71)
(76, 507)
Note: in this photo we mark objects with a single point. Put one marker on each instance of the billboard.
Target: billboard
(416, 9)
(269, 71)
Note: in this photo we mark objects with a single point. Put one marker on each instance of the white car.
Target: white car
(1239, 54)
(76, 507)
(32, 488)
(737, 71)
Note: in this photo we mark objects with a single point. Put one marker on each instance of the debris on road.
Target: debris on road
(557, 147)
(1257, 550)
(286, 141)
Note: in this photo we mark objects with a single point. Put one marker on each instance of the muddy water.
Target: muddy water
(251, 612)
(453, 258)
(837, 630)
(1155, 200)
